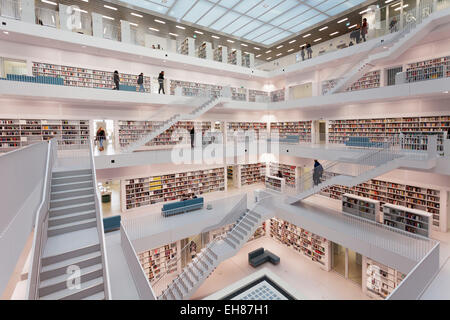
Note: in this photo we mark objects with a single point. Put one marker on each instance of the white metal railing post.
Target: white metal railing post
(432, 146)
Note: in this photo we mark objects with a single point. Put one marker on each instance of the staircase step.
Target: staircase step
(192, 272)
(59, 174)
(197, 267)
(248, 222)
(176, 290)
(243, 225)
(71, 217)
(71, 193)
(87, 289)
(182, 284)
(239, 232)
(59, 283)
(73, 208)
(63, 257)
(72, 226)
(171, 294)
(252, 218)
(57, 203)
(74, 178)
(211, 252)
(71, 185)
(256, 215)
(233, 238)
(97, 296)
(59, 268)
(187, 278)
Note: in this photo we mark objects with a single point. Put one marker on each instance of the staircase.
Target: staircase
(398, 44)
(205, 107)
(72, 240)
(220, 249)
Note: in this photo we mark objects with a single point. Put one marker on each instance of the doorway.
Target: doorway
(320, 132)
(347, 263)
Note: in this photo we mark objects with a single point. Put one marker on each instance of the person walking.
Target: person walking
(192, 133)
(100, 137)
(317, 173)
(309, 50)
(116, 80)
(140, 82)
(302, 53)
(393, 25)
(161, 82)
(364, 29)
(357, 33)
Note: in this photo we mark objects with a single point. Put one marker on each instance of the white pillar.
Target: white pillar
(191, 47)
(238, 57)
(28, 11)
(252, 60)
(97, 25)
(209, 51)
(224, 54)
(125, 31)
(65, 16)
(401, 15)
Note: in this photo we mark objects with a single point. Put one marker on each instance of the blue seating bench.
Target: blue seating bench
(111, 223)
(38, 79)
(260, 256)
(183, 206)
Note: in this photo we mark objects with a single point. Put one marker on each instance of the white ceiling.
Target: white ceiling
(261, 21)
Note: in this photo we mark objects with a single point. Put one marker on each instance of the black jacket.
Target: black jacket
(161, 76)
(116, 77)
(140, 79)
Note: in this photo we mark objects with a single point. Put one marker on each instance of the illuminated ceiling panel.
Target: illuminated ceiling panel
(261, 21)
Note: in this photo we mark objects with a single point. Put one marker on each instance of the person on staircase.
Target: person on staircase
(317, 173)
(161, 82)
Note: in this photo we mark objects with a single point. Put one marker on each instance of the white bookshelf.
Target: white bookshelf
(16, 133)
(260, 129)
(145, 191)
(253, 95)
(410, 196)
(275, 184)
(407, 219)
(191, 89)
(291, 174)
(379, 280)
(428, 69)
(239, 94)
(159, 261)
(362, 207)
(369, 80)
(300, 128)
(252, 173)
(310, 245)
(278, 95)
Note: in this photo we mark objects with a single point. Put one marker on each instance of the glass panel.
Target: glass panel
(338, 260)
(15, 67)
(354, 266)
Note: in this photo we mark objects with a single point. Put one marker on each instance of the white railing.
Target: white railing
(41, 226)
(100, 229)
(140, 279)
(10, 9)
(47, 17)
(111, 32)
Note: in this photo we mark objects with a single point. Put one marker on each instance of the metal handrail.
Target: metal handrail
(100, 228)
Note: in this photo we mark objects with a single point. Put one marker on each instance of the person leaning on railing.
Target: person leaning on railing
(100, 137)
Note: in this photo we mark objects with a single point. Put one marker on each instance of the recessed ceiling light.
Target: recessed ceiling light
(324, 28)
(352, 26)
(400, 8)
(269, 58)
(246, 52)
(244, 45)
(332, 34)
(109, 18)
(180, 27)
(159, 21)
(133, 24)
(290, 50)
(306, 35)
(85, 0)
(397, 4)
(231, 41)
(109, 7)
(279, 47)
(259, 55)
(268, 51)
(137, 15)
(388, 1)
(78, 9)
(364, 11)
(292, 41)
(5, 32)
(279, 54)
(173, 34)
(49, 2)
(215, 37)
(199, 32)
(340, 21)
(256, 48)
(303, 45)
(318, 39)
(154, 29)
(445, 91)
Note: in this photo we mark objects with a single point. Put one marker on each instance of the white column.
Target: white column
(252, 60)
(224, 54)
(97, 25)
(401, 15)
(28, 11)
(209, 51)
(125, 31)
(191, 47)
(65, 16)
(238, 57)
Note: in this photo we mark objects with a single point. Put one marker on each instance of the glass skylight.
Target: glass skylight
(262, 21)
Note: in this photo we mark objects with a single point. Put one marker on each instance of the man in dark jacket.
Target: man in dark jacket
(318, 171)
(140, 82)
(192, 132)
(116, 80)
(161, 82)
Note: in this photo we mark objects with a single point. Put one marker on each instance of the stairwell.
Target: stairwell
(71, 264)
(204, 264)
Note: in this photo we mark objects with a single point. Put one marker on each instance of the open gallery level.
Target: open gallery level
(225, 150)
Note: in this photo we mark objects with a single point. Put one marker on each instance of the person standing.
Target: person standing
(161, 82)
(192, 133)
(116, 80)
(317, 173)
(393, 25)
(302, 53)
(364, 29)
(100, 137)
(357, 34)
(309, 50)
(140, 82)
